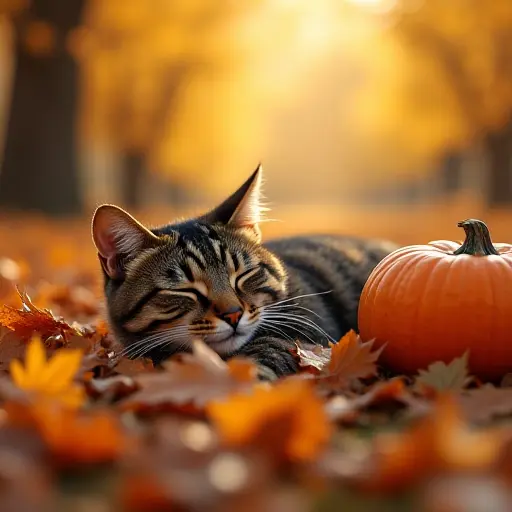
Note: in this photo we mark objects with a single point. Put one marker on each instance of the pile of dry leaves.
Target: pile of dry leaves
(82, 428)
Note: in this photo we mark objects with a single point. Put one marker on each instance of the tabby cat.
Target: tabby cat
(211, 277)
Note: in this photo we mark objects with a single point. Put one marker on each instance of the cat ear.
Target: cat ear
(243, 209)
(118, 237)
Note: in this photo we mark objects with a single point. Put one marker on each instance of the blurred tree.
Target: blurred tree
(467, 46)
(139, 60)
(183, 89)
(40, 169)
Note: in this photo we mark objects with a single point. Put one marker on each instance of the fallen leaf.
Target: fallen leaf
(314, 359)
(438, 443)
(132, 367)
(111, 388)
(440, 376)
(30, 319)
(189, 382)
(51, 379)
(391, 394)
(73, 438)
(288, 417)
(351, 360)
(486, 403)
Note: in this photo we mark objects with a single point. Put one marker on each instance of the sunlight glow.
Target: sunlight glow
(380, 6)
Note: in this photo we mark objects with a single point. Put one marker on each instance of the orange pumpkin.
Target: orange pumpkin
(434, 302)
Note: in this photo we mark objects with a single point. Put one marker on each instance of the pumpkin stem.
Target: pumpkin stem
(478, 239)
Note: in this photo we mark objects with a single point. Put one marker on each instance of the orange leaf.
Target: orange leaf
(438, 443)
(73, 438)
(351, 359)
(31, 319)
(242, 370)
(288, 418)
(190, 382)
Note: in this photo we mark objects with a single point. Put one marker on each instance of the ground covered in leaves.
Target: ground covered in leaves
(82, 428)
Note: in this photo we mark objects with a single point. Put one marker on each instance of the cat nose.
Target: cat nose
(232, 316)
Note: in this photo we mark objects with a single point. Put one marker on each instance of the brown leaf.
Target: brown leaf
(190, 382)
(351, 360)
(315, 359)
(440, 442)
(24, 322)
(440, 376)
(486, 403)
(111, 388)
(389, 394)
(133, 367)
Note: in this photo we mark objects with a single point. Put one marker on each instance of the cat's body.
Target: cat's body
(327, 274)
(211, 277)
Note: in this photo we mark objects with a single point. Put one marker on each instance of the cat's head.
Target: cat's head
(206, 277)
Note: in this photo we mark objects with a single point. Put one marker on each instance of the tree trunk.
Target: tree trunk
(40, 166)
(499, 151)
(450, 172)
(133, 176)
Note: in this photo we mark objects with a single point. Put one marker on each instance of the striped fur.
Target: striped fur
(211, 277)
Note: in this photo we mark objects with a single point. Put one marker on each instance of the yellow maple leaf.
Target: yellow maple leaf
(49, 379)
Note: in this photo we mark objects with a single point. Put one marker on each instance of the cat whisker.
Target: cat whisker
(165, 342)
(272, 307)
(271, 326)
(133, 349)
(296, 297)
(157, 343)
(287, 324)
(302, 320)
(307, 320)
(142, 342)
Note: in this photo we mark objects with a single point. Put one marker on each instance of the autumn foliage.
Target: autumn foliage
(201, 432)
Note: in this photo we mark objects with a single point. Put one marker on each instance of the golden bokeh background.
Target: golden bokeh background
(375, 117)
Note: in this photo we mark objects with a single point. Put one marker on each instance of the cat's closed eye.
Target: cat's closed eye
(196, 293)
(238, 281)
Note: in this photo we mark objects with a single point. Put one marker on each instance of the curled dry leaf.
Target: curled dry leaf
(313, 359)
(391, 394)
(188, 383)
(288, 418)
(30, 319)
(342, 363)
(440, 376)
